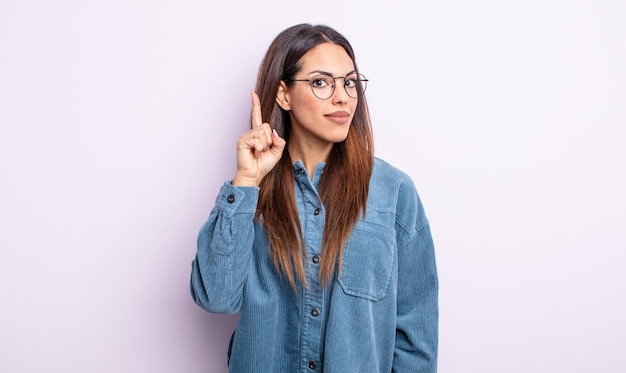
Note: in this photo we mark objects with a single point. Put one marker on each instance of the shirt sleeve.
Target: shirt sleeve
(224, 250)
(418, 311)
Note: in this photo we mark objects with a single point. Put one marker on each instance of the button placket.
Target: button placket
(311, 214)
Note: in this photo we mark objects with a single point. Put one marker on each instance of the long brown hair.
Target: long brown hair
(344, 184)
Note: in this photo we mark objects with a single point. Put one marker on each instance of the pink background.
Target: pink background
(118, 122)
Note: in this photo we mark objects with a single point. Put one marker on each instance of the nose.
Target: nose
(340, 95)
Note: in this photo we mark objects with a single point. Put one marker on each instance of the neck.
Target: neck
(310, 156)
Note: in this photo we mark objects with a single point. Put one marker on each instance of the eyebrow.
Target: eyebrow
(329, 74)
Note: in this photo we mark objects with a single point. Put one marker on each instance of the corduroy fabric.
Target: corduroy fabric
(380, 313)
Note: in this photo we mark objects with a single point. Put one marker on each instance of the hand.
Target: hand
(258, 150)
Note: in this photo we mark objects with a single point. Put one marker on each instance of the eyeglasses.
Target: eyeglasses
(323, 85)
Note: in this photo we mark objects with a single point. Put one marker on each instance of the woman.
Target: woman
(324, 249)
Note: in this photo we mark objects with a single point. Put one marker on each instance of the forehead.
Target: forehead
(327, 57)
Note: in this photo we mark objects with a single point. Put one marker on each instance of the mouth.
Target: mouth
(340, 117)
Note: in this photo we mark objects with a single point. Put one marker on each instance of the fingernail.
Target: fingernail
(275, 133)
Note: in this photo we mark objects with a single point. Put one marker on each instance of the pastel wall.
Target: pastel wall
(118, 121)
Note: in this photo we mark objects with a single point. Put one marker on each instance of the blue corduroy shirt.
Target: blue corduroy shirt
(379, 314)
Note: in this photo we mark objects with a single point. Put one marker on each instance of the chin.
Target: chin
(338, 139)
(338, 136)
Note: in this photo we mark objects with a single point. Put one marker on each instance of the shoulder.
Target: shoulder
(392, 188)
(389, 177)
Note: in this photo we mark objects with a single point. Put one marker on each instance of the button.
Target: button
(316, 259)
(317, 211)
(315, 312)
(312, 365)
(230, 198)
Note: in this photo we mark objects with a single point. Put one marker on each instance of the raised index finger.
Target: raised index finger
(255, 116)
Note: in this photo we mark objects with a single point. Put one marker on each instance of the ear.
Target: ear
(282, 97)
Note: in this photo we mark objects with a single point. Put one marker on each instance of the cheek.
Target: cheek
(306, 106)
(353, 105)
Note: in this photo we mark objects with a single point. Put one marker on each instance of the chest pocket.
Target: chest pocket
(368, 261)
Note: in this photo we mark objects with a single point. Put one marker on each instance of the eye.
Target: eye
(321, 82)
(351, 82)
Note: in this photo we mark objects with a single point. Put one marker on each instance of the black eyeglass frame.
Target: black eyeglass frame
(360, 78)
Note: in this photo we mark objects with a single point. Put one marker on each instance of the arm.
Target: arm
(225, 241)
(224, 250)
(418, 311)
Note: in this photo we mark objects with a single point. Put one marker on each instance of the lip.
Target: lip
(340, 117)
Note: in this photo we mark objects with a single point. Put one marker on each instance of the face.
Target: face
(316, 122)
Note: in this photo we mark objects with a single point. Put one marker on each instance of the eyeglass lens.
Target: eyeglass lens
(323, 86)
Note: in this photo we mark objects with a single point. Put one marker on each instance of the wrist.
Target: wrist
(239, 180)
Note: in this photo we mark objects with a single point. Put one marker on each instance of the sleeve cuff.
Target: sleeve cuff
(237, 200)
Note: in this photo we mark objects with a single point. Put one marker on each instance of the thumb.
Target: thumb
(278, 143)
